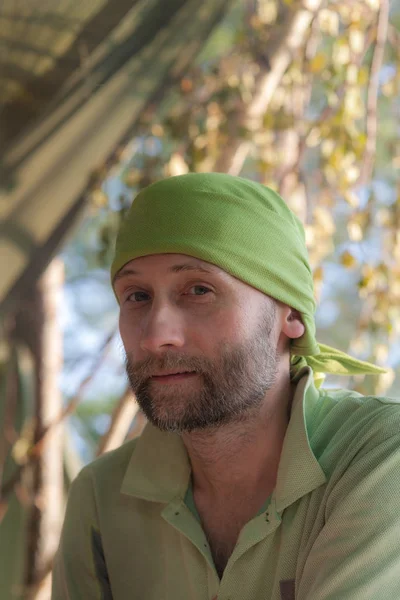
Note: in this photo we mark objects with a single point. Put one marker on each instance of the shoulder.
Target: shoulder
(117, 459)
(109, 468)
(346, 410)
(345, 424)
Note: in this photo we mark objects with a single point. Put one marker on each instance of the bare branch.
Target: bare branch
(288, 174)
(277, 60)
(394, 37)
(9, 485)
(138, 425)
(35, 451)
(121, 419)
(330, 110)
(373, 89)
(73, 403)
(8, 435)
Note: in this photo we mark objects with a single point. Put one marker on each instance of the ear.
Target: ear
(292, 325)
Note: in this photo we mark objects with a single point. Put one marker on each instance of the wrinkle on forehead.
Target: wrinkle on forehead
(185, 263)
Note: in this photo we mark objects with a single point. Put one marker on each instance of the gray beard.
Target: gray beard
(230, 389)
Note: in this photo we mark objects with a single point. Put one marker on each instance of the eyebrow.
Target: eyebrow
(174, 269)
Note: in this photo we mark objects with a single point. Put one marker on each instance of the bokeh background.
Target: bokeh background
(99, 98)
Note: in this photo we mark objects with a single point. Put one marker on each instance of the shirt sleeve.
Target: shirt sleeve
(80, 571)
(356, 555)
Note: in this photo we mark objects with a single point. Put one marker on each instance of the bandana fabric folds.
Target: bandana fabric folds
(247, 230)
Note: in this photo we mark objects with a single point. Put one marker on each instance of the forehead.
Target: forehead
(172, 263)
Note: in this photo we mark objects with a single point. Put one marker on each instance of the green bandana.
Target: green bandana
(247, 230)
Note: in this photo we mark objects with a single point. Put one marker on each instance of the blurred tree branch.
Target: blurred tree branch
(373, 88)
(327, 113)
(9, 434)
(101, 356)
(394, 37)
(121, 419)
(34, 449)
(287, 39)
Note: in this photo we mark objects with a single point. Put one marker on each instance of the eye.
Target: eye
(199, 290)
(137, 297)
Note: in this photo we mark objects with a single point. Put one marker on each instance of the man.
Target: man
(248, 482)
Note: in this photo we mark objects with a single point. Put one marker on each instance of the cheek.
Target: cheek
(241, 322)
(128, 331)
(226, 325)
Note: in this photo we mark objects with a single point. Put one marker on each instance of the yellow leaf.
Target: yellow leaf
(389, 88)
(374, 4)
(352, 174)
(351, 199)
(20, 450)
(353, 104)
(335, 159)
(327, 147)
(177, 165)
(99, 198)
(328, 21)
(348, 260)
(355, 232)
(384, 217)
(314, 137)
(267, 12)
(355, 15)
(356, 40)
(344, 11)
(341, 53)
(352, 74)
(233, 80)
(318, 273)
(363, 76)
(318, 63)
(318, 277)
(157, 130)
(310, 235)
(395, 288)
(332, 98)
(324, 220)
(132, 178)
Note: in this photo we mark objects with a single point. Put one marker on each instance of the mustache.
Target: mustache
(142, 370)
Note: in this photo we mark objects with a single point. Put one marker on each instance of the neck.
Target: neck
(242, 456)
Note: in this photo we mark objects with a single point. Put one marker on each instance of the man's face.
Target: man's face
(201, 346)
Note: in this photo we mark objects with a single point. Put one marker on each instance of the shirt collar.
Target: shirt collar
(159, 469)
(299, 472)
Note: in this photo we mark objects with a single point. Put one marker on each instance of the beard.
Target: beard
(229, 389)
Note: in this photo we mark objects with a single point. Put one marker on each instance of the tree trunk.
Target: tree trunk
(46, 472)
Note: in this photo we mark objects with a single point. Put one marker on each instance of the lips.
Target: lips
(173, 373)
(172, 377)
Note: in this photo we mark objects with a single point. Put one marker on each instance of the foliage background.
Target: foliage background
(314, 142)
(301, 96)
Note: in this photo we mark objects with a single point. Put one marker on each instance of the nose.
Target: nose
(162, 329)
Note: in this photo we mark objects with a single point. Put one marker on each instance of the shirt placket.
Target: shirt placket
(181, 518)
(254, 532)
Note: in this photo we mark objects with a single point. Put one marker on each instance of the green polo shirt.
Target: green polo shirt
(330, 530)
